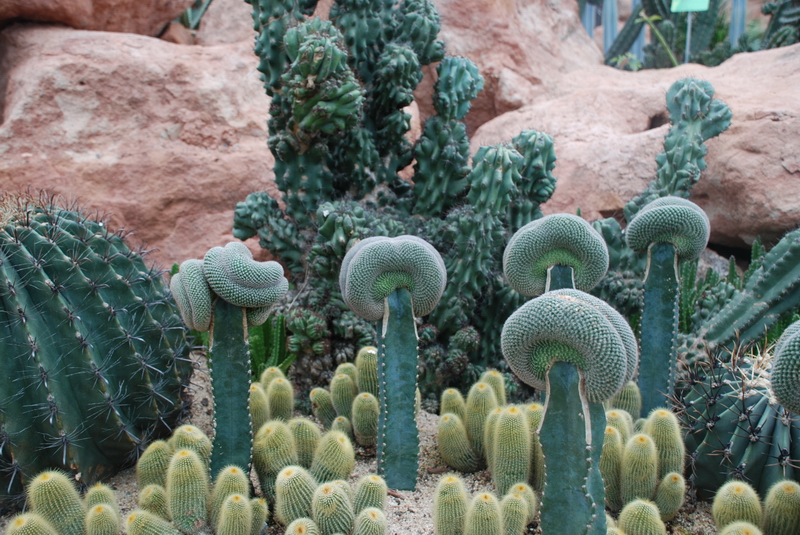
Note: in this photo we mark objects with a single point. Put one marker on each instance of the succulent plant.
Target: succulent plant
(736, 501)
(450, 506)
(670, 229)
(782, 508)
(225, 292)
(92, 339)
(394, 280)
(641, 517)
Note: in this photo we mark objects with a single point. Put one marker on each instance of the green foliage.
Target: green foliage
(97, 352)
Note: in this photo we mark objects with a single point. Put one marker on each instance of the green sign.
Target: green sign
(689, 5)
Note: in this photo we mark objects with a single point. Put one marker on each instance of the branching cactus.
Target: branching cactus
(670, 229)
(564, 343)
(225, 292)
(92, 350)
(394, 280)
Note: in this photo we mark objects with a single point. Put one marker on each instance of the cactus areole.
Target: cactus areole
(394, 280)
(224, 293)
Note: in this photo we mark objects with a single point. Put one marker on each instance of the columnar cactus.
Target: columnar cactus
(671, 230)
(226, 291)
(786, 367)
(92, 340)
(394, 280)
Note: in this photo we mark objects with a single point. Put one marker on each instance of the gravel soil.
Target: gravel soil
(408, 513)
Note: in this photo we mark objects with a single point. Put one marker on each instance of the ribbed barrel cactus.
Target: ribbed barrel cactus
(670, 229)
(93, 352)
(225, 292)
(393, 281)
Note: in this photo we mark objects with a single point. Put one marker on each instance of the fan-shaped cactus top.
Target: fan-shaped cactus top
(621, 325)
(670, 220)
(237, 278)
(565, 327)
(555, 239)
(375, 267)
(786, 369)
(192, 295)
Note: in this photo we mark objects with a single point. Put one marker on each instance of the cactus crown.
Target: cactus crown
(670, 220)
(376, 266)
(556, 239)
(568, 328)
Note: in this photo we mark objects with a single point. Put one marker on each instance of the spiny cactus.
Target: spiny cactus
(450, 506)
(235, 290)
(740, 528)
(334, 457)
(366, 411)
(663, 427)
(294, 488)
(302, 526)
(736, 501)
(511, 436)
(394, 280)
(782, 509)
(322, 406)
(641, 517)
(514, 511)
(483, 515)
(332, 509)
(670, 229)
(97, 351)
(628, 399)
(274, 449)
(306, 438)
(785, 378)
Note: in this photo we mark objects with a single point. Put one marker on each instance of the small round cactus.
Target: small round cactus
(628, 399)
(454, 446)
(302, 526)
(483, 515)
(322, 406)
(496, 380)
(332, 509)
(670, 495)
(54, 497)
(450, 506)
(371, 491)
(306, 437)
(343, 390)
(481, 401)
(151, 469)
(235, 516)
(153, 499)
(280, 399)
(556, 239)
(102, 519)
(670, 220)
(741, 528)
(641, 517)
(29, 524)
(453, 402)
(530, 497)
(735, 501)
(514, 511)
(663, 427)
(367, 366)
(376, 266)
(365, 413)
(370, 521)
(512, 436)
(611, 467)
(230, 480)
(274, 449)
(334, 457)
(782, 509)
(294, 488)
(142, 522)
(187, 490)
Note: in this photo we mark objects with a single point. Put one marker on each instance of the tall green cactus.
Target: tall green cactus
(225, 292)
(93, 350)
(394, 281)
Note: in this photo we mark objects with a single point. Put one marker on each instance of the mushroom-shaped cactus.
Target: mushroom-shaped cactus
(225, 292)
(556, 239)
(786, 369)
(394, 280)
(671, 230)
(563, 342)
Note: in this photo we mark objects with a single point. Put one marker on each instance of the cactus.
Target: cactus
(100, 493)
(454, 446)
(449, 506)
(740, 528)
(102, 519)
(367, 366)
(294, 488)
(641, 517)
(260, 511)
(782, 509)
(371, 491)
(514, 510)
(274, 449)
(496, 380)
(453, 402)
(639, 474)
(98, 350)
(512, 435)
(259, 405)
(611, 467)
(144, 523)
(665, 430)
(671, 230)
(481, 401)
(29, 524)
(322, 406)
(153, 499)
(302, 526)
(736, 501)
(670, 495)
(190, 437)
(784, 378)
(343, 425)
(306, 437)
(331, 509)
(54, 497)
(370, 521)
(365, 419)
(235, 516)
(629, 399)
(230, 481)
(280, 399)
(236, 290)
(187, 491)
(394, 280)
(334, 457)
(343, 390)
(483, 516)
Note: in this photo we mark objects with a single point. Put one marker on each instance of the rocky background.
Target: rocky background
(106, 101)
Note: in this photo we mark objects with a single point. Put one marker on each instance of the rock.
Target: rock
(609, 125)
(226, 21)
(167, 138)
(146, 17)
(178, 33)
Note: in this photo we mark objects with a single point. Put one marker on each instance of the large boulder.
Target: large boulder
(146, 17)
(167, 138)
(609, 125)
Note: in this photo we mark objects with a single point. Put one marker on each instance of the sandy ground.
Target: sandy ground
(408, 513)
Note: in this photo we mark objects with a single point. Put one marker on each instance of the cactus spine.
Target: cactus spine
(187, 491)
(332, 510)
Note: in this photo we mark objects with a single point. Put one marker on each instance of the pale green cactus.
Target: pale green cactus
(736, 501)
(450, 506)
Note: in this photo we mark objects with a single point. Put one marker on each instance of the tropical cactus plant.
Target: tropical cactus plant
(394, 280)
(225, 292)
(98, 355)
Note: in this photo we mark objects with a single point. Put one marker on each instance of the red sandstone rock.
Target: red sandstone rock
(168, 138)
(146, 17)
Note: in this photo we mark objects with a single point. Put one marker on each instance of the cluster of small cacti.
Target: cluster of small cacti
(271, 398)
(455, 513)
(738, 510)
(645, 463)
(55, 507)
(94, 354)
(308, 508)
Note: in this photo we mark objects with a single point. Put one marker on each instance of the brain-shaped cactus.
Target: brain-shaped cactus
(557, 239)
(566, 326)
(232, 274)
(375, 267)
(670, 220)
(786, 369)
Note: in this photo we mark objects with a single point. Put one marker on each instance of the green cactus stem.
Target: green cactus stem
(394, 280)
(782, 509)
(786, 365)
(736, 501)
(670, 229)
(450, 506)
(242, 291)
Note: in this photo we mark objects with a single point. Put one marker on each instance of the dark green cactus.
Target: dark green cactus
(96, 350)
(394, 280)
(231, 290)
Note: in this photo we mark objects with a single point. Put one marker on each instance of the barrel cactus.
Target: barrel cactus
(92, 340)
(394, 280)
(225, 292)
